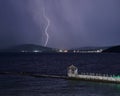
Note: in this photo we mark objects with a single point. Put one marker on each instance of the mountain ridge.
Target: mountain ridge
(29, 48)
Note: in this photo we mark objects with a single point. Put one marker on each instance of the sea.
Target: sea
(57, 64)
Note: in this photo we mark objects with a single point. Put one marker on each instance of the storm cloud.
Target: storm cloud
(73, 23)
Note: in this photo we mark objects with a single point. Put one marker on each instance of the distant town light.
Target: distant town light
(65, 51)
(36, 51)
(74, 51)
(23, 51)
(60, 50)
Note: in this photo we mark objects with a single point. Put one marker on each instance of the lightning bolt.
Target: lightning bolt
(47, 26)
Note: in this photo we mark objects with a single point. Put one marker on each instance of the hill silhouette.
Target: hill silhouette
(115, 49)
(29, 48)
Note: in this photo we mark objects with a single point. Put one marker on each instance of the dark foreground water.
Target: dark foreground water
(56, 64)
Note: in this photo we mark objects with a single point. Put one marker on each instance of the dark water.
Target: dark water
(56, 64)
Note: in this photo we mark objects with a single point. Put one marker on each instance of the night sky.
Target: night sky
(73, 23)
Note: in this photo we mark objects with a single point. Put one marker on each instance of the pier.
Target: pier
(72, 74)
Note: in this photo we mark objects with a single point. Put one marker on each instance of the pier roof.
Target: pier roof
(72, 67)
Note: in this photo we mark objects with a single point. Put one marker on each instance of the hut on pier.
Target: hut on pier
(72, 71)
